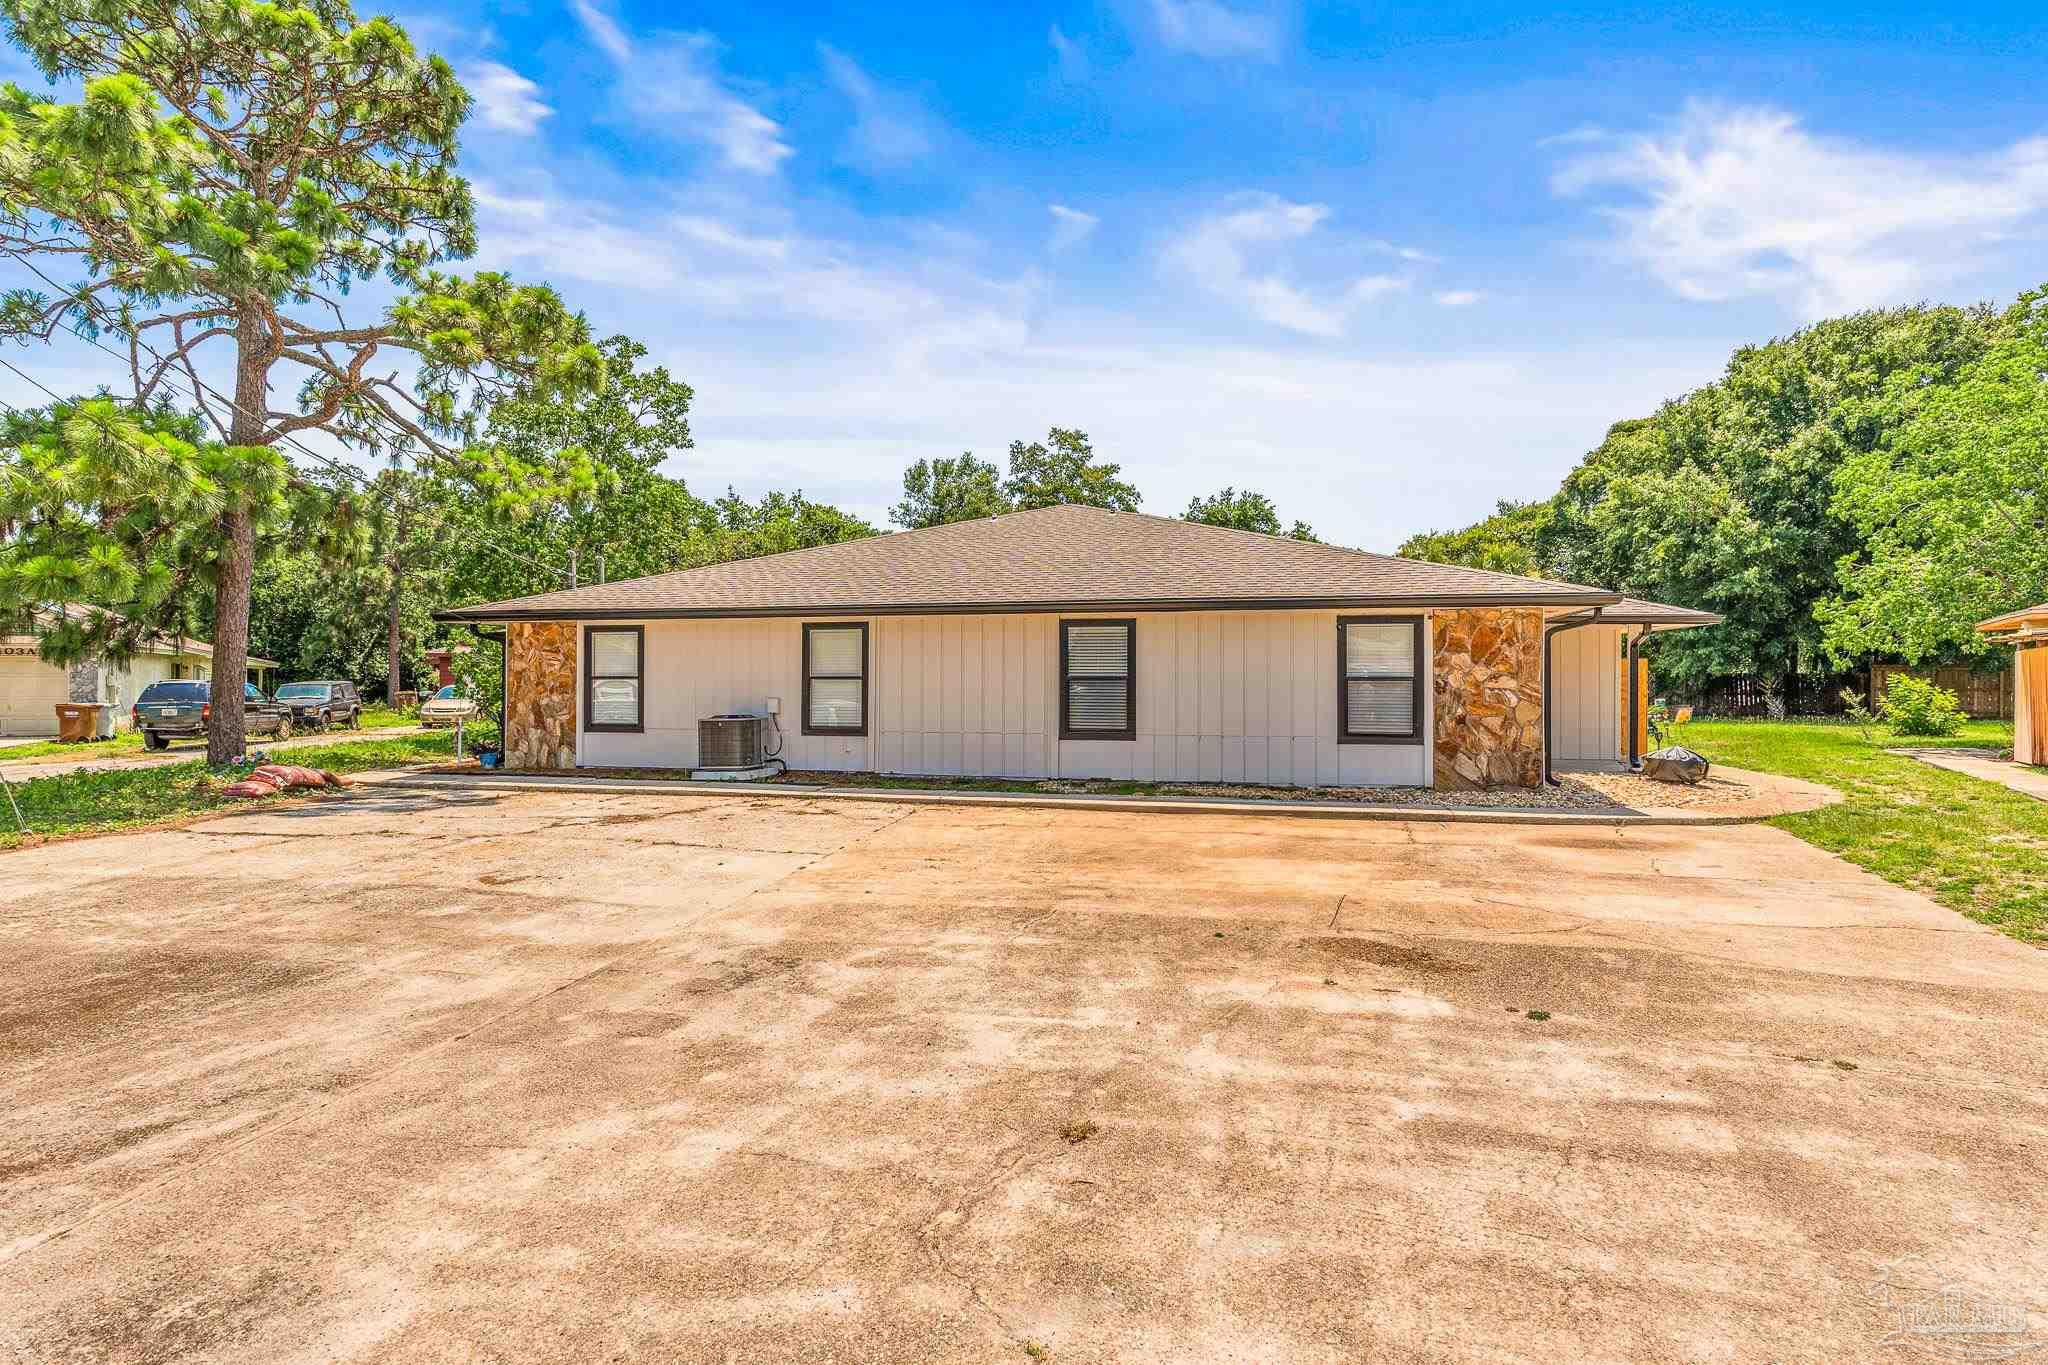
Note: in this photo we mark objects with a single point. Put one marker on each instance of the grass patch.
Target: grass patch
(1974, 846)
(128, 743)
(120, 746)
(97, 802)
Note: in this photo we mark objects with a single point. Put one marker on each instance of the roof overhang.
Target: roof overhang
(2015, 627)
(1354, 603)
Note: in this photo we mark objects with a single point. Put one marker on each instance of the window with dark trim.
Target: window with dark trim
(614, 674)
(1379, 679)
(836, 678)
(1098, 679)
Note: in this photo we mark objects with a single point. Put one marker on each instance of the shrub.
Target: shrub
(1915, 706)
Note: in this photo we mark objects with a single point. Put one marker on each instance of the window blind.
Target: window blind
(613, 699)
(835, 679)
(1379, 691)
(1096, 691)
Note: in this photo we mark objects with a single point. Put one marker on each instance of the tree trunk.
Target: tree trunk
(392, 681)
(226, 731)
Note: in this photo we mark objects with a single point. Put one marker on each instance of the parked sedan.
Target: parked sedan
(445, 708)
(322, 705)
(179, 710)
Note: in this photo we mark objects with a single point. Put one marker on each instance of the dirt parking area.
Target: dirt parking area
(580, 1077)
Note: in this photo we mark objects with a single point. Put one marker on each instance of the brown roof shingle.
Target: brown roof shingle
(1634, 611)
(1053, 558)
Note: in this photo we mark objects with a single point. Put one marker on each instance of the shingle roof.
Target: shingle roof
(1053, 558)
(1634, 611)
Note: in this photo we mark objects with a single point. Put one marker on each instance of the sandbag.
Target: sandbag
(251, 785)
(292, 775)
(1675, 764)
(272, 778)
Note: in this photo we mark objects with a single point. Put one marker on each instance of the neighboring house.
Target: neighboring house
(2027, 632)
(1075, 642)
(31, 689)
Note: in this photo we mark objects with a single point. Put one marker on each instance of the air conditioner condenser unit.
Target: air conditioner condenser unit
(731, 742)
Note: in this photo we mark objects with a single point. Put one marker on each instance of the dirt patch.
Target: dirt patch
(1380, 953)
(124, 986)
(746, 971)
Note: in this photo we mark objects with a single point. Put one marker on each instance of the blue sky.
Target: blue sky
(1385, 263)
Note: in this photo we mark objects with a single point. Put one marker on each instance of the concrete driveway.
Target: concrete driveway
(432, 1076)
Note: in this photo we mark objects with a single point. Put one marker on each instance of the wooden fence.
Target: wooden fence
(1744, 694)
(1983, 696)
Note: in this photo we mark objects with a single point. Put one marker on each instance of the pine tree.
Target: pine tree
(230, 171)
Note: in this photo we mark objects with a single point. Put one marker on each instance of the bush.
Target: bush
(1915, 706)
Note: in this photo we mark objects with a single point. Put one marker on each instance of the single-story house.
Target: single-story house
(31, 689)
(1076, 642)
(2027, 631)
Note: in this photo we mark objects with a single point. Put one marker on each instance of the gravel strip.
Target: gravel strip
(1580, 791)
(1630, 789)
(1604, 792)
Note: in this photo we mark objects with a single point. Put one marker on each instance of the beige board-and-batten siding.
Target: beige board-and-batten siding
(2030, 714)
(1588, 725)
(1227, 696)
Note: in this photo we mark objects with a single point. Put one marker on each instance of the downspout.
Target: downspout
(1550, 633)
(1635, 700)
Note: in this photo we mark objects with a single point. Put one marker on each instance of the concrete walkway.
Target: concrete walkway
(2029, 781)
(1770, 795)
(22, 770)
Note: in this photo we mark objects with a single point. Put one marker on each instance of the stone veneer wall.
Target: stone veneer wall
(540, 710)
(1489, 698)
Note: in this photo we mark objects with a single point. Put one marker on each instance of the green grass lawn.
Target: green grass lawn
(73, 803)
(1976, 847)
(120, 746)
(129, 742)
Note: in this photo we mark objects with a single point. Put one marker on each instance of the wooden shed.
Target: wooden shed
(2027, 631)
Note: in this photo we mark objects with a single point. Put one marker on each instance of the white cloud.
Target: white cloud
(603, 30)
(1209, 29)
(801, 348)
(889, 132)
(1734, 202)
(1413, 254)
(1070, 227)
(1458, 298)
(671, 84)
(505, 100)
(1217, 253)
(719, 269)
(1068, 55)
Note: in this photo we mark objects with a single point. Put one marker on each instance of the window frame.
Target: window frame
(1130, 730)
(866, 667)
(591, 678)
(1344, 732)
